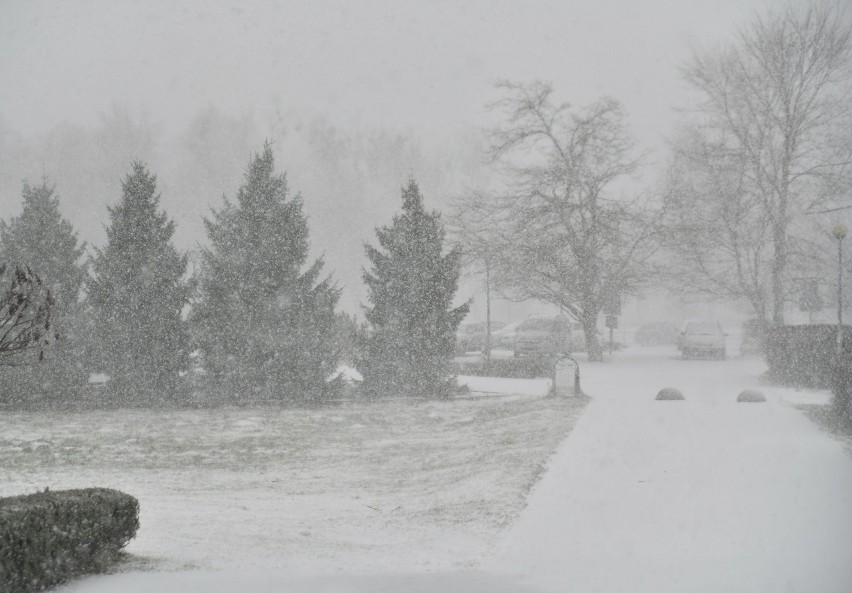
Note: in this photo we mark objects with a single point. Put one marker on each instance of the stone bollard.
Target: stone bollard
(669, 394)
(751, 395)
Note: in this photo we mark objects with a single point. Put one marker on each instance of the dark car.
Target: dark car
(544, 336)
(702, 338)
(754, 331)
(504, 338)
(658, 333)
(472, 336)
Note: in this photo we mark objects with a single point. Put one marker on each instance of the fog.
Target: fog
(226, 387)
(354, 98)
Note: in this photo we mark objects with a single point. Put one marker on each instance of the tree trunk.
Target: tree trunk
(779, 265)
(590, 330)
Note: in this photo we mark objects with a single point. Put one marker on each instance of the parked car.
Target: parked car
(753, 336)
(658, 333)
(543, 336)
(702, 338)
(471, 336)
(504, 338)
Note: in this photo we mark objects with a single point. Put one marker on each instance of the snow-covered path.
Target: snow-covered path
(699, 495)
(643, 496)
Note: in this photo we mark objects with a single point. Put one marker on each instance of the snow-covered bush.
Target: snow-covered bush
(842, 390)
(510, 368)
(804, 355)
(48, 537)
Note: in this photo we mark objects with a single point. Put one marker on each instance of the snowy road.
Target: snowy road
(644, 496)
(699, 495)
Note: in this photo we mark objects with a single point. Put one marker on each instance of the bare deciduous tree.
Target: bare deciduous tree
(718, 232)
(24, 317)
(560, 233)
(774, 112)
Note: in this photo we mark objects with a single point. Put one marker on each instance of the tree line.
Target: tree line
(759, 171)
(255, 322)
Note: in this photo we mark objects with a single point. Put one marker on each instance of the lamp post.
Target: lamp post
(487, 311)
(839, 233)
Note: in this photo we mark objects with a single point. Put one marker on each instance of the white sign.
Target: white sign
(566, 378)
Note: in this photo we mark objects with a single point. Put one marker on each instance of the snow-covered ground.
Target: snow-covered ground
(705, 494)
(699, 495)
(360, 487)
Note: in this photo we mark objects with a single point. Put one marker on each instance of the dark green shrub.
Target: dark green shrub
(510, 368)
(48, 537)
(804, 355)
(842, 389)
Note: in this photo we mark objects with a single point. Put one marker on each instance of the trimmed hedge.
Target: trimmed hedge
(804, 355)
(510, 368)
(843, 389)
(48, 537)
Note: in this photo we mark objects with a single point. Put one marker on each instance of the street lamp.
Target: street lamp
(488, 311)
(839, 233)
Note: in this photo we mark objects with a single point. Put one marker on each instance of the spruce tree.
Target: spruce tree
(43, 241)
(411, 288)
(137, 293)
(265, 322)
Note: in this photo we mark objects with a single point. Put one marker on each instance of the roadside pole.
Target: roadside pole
(487, 312)
(612, 309)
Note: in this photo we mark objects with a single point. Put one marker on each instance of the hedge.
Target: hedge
(511, 368)
(48, 537)
(843, 389)
(804, 355)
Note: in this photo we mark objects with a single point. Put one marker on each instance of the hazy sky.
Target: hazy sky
(425, 65)
(424, 68)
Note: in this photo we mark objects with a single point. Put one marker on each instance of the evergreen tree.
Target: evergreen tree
(137, 294)
(265, 327)
(43, 241)
(411, 289)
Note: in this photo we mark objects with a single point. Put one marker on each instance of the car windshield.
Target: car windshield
(509, 328)
(538, 325)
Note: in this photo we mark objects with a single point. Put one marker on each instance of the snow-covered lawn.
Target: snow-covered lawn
(367, 487)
